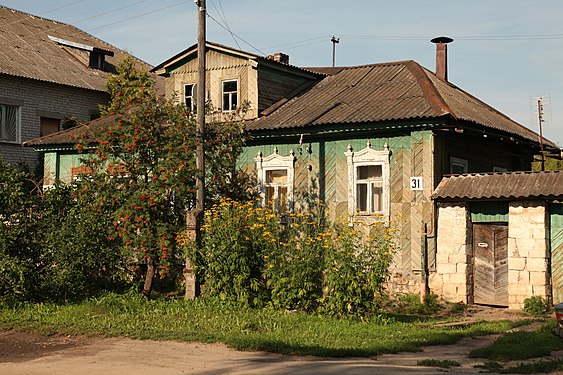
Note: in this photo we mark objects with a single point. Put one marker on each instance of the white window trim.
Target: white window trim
(275, 162)
(194, 104)
(223, 92)
(365, 157)
(460, 163)
(18, 125)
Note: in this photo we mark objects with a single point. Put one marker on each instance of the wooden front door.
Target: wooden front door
(556, 237)
(490, 268)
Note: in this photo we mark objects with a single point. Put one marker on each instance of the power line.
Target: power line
(224, 18)
(467, 37)
(235, 35)
(62, 7)
(139, 15)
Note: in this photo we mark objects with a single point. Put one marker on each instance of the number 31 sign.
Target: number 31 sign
(416, 183)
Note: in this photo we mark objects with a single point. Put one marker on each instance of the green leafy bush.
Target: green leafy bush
(536, 306)
(297, 261)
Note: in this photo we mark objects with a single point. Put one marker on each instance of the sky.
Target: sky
(505, 52)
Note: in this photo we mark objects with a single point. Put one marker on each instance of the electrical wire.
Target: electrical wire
(62, 7)
(235, 35)
(139, 15)
(224, 18)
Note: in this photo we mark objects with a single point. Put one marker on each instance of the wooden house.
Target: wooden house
(50, 72)
(371, 141)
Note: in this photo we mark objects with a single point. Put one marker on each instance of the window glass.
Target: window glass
(48, 126)
(230, 95)
(190, 95)
(9, 123)
(369, 172)
(362, 197)
(276, 176)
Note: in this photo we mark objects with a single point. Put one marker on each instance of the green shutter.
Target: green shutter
(489, 212)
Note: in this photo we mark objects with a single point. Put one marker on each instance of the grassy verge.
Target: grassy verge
(520, 345)
(240, 328)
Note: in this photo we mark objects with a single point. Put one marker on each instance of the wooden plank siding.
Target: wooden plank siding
(321, 166)
(274, 84)
(556, 242)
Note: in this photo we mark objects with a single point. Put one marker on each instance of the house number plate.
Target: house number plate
(417, 183)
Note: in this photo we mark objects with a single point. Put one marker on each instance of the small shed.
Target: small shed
(499, 238)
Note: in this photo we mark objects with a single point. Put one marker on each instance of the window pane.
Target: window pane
(234, 101)
(376, 198)
(369, 171)
(362, 197)
(8, 123)
(226, 104)
(48, 125)
(270, 192)
(276, 176)
(282, 199)
(230, 86)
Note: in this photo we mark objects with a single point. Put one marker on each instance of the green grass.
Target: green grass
(519, 346)
(539, 367)
(240, 328)
(438, 363)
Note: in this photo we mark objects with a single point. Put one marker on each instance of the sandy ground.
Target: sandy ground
(31, 354)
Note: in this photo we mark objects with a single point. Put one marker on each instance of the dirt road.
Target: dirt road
(33, 354)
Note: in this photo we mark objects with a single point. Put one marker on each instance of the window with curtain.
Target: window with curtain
(9, 123)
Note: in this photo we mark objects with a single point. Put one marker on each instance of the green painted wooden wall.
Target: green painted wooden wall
(322, 166)
(556, 239)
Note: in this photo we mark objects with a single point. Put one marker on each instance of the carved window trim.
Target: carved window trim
(271, 163)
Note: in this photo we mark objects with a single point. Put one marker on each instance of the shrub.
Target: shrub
(356, 269)
(535, 305)
(298, 261)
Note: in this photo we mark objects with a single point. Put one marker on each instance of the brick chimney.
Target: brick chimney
(279, 57)
(442, 56)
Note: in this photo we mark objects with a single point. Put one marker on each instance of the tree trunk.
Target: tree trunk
(149, 276)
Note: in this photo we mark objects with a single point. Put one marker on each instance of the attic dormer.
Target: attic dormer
(93, 57)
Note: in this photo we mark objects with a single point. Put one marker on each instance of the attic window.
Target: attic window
(96, 56)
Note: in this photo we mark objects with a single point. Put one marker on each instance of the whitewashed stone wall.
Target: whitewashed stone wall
(527, 251)
(453, 257)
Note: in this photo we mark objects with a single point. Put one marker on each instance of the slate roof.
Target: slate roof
(396, 91)
(86, 133)
(30, 49)
(506, 185)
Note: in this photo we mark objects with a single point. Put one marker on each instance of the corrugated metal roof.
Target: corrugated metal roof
(27, 51)
(86, 133)
(507, 185)
(394, 91)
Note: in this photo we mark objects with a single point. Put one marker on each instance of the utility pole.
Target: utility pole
(200, 102)
(334, 41)
(194, 218)
(540, 120)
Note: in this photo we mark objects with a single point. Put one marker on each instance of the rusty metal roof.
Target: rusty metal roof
(46, 50)
(396, 91)
(506, 185)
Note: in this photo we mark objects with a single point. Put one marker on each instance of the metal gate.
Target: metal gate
(490, 268)
(556, 240)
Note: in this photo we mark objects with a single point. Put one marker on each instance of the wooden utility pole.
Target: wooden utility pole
(200, 102)
(194, 218)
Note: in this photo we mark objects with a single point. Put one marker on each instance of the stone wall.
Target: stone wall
(527, 252)
(451, 280)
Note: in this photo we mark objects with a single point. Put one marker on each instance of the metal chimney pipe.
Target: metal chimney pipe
(442, 56)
